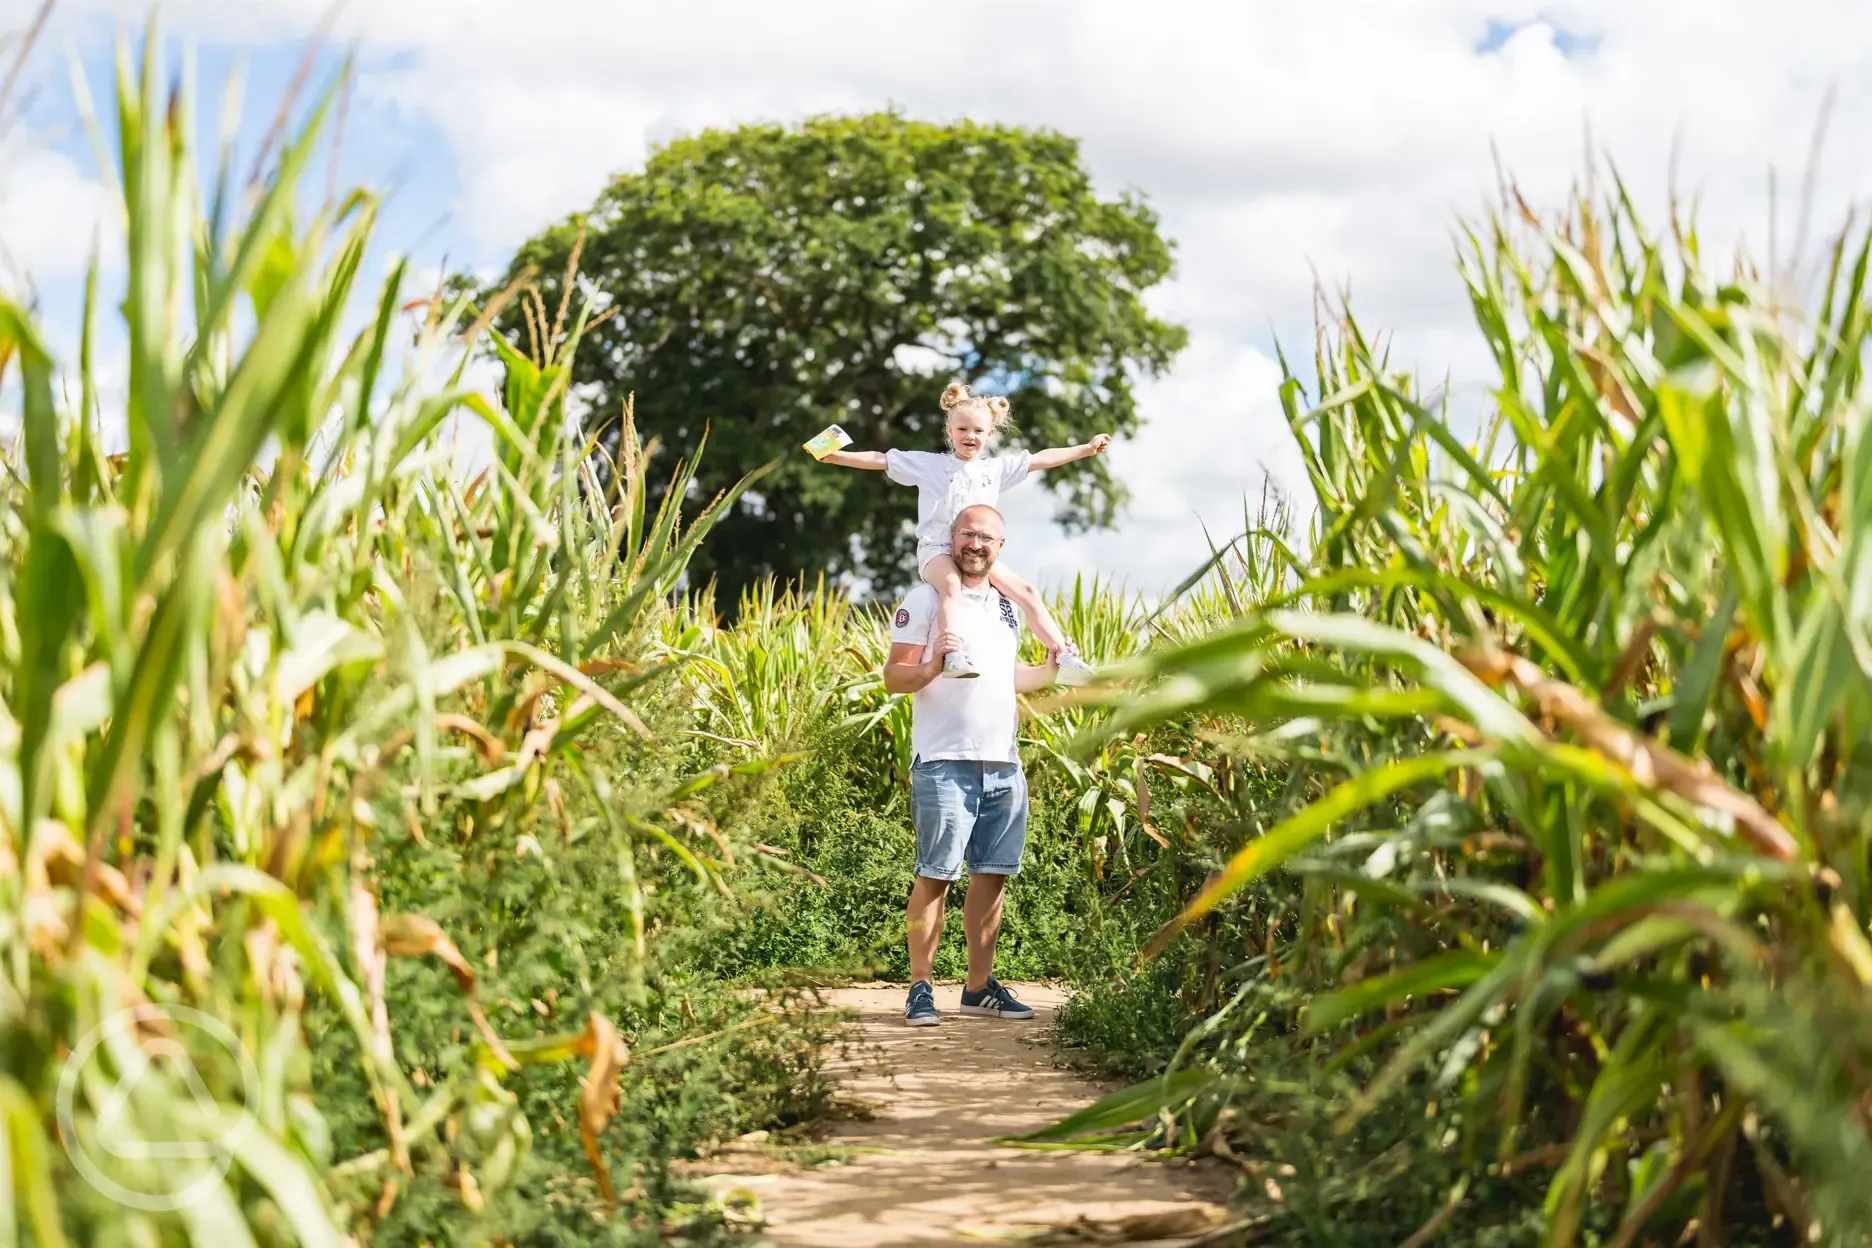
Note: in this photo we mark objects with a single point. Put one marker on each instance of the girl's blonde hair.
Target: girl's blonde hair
(957, 395)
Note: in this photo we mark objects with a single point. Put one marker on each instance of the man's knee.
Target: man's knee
(987, 888)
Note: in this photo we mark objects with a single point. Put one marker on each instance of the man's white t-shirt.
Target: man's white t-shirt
(968, 719)
(946, 485)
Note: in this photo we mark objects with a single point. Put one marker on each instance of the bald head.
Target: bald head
(975, 542)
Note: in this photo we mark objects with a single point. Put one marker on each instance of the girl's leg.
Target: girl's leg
(941, 575)
(1028, 599)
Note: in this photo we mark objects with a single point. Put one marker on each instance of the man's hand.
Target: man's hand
(906, 670)
(1099, 442)
(1034, 679)
(946, 645)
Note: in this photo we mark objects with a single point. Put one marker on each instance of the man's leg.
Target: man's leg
(981, 919)
(996, 845)
(928, 900)
(943, 794)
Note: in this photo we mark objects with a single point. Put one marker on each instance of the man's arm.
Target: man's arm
(906, 671)
(1030, 679)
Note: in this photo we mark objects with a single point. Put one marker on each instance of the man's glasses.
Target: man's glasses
(971, 535)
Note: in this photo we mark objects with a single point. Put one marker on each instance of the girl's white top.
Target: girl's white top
(946, 485)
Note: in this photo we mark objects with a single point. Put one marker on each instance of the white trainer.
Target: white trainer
(957, 665)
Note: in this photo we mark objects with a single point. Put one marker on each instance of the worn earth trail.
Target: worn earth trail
(938, 1097)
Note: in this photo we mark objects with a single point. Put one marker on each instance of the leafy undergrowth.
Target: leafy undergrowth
(844, 919)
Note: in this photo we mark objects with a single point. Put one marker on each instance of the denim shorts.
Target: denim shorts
(967, 811)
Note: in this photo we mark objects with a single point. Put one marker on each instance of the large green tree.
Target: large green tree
(770, 280)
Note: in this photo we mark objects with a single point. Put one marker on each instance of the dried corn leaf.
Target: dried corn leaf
(419, 936)
(598, 1099)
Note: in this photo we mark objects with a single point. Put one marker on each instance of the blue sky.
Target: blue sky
(1336, 141)
(383, 145)
(1569, 43)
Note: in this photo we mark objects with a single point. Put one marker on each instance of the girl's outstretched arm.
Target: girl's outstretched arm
(1058, 456)
(874, 460)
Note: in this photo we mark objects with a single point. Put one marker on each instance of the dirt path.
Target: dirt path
(937, 1180)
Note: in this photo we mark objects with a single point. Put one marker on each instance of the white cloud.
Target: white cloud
(1278, 140)
(1216, 433)
(51, 214)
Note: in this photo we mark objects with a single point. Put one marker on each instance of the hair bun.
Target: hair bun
(956, 396)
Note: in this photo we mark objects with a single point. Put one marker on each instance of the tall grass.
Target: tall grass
(247, 710)
(1573, 723)
(1505, 839)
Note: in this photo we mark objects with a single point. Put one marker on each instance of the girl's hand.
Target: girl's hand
(1099, 442)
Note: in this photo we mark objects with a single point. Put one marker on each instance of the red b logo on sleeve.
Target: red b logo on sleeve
(903, 617)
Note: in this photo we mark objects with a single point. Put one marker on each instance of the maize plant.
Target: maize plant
(790, 660)
(1576, 711)
(271, 638)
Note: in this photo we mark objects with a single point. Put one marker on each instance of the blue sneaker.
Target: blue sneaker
(921, 1011)
(995, 1001)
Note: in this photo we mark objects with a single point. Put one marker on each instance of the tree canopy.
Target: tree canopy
(767, 281)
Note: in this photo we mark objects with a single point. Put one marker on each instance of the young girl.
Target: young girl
(967, 475)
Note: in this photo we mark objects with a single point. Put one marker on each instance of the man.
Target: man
(968, 797)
